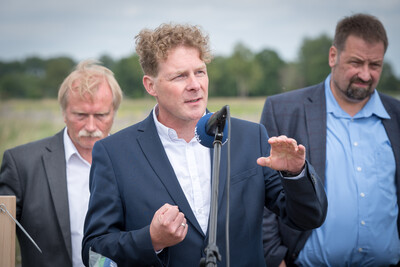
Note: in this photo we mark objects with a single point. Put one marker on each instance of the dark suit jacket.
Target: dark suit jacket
(301, 114)
(36, 174)
(131, 177)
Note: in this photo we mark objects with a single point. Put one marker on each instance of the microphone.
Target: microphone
(208, 125)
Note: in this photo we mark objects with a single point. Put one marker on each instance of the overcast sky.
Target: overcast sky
(87, 29)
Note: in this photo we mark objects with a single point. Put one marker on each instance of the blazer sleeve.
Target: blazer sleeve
(104, 223)
(274, 249)
(10, 184)
(302, 204)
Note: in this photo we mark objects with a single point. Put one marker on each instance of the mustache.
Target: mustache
(358, 80)
(95, 134)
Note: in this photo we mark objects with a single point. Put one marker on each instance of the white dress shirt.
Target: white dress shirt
(192, 165)
(78, 196)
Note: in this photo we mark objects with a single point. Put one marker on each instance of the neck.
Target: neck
(351, 107)
(186, 132)
(86, 154)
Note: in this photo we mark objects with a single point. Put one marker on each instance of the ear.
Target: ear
(148, 83)
(64, 114)
(333, 54)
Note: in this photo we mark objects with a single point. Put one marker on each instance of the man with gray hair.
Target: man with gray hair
(50, 177)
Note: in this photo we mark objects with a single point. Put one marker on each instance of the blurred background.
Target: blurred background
(260, 47)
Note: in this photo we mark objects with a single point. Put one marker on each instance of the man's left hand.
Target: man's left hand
(285, 155)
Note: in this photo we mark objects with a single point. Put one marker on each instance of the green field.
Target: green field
(22, 121)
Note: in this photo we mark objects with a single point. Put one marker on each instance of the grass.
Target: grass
(23, 121)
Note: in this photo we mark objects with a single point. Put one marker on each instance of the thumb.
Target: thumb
(263, 161)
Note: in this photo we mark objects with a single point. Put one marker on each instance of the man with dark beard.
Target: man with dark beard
(351, 132)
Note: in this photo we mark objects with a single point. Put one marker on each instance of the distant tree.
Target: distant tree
(292, 77)
(313, 59)
(21, 79)
(107, 61)
(389, 83)
(128, 73)
(35, 66)
(10, 67)
(20, 85)
(243, 69)
(271, 67)
(57, 69)
(221, 82)
(242, 73)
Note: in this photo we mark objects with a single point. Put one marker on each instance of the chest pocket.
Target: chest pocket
(243, 176)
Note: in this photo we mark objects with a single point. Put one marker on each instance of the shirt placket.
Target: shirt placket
(362, 188)
(196, 186)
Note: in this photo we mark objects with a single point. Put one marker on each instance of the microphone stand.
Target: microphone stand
(212, 253)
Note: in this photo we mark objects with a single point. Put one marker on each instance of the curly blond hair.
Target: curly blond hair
(152, 46)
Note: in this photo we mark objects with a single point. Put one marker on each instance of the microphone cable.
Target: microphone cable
(228, 181)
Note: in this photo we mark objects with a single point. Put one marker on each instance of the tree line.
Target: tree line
(243, 73)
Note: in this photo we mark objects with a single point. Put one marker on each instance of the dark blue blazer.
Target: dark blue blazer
(301, 114)
(131, 177)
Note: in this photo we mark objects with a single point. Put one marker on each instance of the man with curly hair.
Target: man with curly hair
(151, 183)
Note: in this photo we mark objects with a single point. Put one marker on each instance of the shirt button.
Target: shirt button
(360, 249)
(362, 222)
(355, 144)
(362, 195)
(359, 169)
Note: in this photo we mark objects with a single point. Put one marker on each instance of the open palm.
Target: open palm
(285, 155)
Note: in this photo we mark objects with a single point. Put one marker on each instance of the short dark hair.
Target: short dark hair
(364, 26)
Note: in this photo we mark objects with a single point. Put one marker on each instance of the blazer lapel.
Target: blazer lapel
(153, 150)
(55, 168)
(392, 128)
(315, 110)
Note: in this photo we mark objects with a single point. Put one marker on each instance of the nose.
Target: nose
(364, 73)
(193, 83)
(90, 124)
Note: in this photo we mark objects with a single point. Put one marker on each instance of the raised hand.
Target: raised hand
(285, 155)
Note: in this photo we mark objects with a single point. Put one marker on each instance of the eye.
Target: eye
(355, 63)
(179, 76)
(376, 65)
(101, 115)
(80, 116)
(200, 72)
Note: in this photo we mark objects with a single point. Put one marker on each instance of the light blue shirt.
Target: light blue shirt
(361, 224)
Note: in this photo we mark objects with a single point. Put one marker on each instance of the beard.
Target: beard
(355, 93)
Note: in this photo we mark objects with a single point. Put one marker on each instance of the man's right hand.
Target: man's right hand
(168, 227)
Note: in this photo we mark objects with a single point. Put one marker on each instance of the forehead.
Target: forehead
(356, 46)
(100, 97)
(182, 56)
